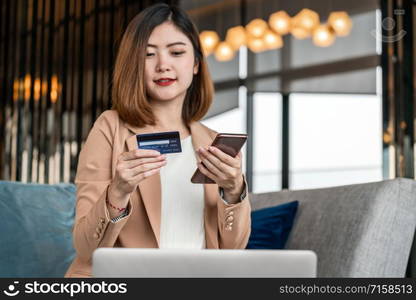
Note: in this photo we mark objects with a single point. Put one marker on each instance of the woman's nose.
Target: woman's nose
(163, 64)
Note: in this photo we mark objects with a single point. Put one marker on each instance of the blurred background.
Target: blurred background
(325, 89)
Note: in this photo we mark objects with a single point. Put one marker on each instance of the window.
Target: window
(267, 145)
(232, 121)
(335, 139)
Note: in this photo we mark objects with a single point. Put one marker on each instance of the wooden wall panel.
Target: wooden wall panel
(56, 62)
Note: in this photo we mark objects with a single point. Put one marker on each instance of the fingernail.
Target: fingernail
(211, 148)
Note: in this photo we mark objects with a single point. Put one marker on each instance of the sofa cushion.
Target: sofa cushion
(360, 230)
(270, 227)
(37, 220)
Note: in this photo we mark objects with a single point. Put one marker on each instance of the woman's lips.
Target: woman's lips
(165, 82)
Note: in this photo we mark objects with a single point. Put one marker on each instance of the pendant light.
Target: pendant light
(209, 40)
(304, 23)
(224, 52)
(256, 44)
(256, 28)
(280, 22)
(272, 40)
(236, 37)
(323, 36)
(340, 22)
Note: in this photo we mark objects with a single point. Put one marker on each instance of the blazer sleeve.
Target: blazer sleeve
(234, 222)
(93, 227)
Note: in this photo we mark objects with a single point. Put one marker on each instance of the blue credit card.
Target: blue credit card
(164, 142)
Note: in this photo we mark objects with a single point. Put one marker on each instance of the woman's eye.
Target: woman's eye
(149, 54)
(177, 53)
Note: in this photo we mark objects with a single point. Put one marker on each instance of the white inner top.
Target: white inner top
(182, 211)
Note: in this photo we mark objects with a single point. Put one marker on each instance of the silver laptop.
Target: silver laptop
(208, 263)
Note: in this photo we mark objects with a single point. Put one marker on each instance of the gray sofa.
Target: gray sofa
(361, 230)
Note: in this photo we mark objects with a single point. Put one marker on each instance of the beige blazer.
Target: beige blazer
(108, 138)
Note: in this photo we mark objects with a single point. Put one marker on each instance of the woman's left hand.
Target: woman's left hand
(224, 170)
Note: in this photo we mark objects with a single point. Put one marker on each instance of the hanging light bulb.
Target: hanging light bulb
(340, 23)
(299, 32)
(44, 87)
(280, 22)
(272, 40)
(308, 19)
(15, 89)
(256, 44)
(54, 89)
(37, 89)
(304, 23)
(236, 37)
(224, 52)
(256, 27)
(27, 87)
(323, 36)
(209, 39)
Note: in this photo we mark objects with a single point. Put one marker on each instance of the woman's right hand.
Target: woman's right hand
(133, 167)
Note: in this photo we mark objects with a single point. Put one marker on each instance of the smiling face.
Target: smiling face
(170, 64)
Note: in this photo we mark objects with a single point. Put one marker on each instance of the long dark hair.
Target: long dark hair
(129, 92)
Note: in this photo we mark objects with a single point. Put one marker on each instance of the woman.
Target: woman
(130, 197)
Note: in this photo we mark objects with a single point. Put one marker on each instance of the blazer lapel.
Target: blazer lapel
(150, 190)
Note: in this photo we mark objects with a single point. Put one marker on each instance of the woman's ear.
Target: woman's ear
(196, 68)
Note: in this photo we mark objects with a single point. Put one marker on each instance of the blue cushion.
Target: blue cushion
(36, 230)
(270, 227)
